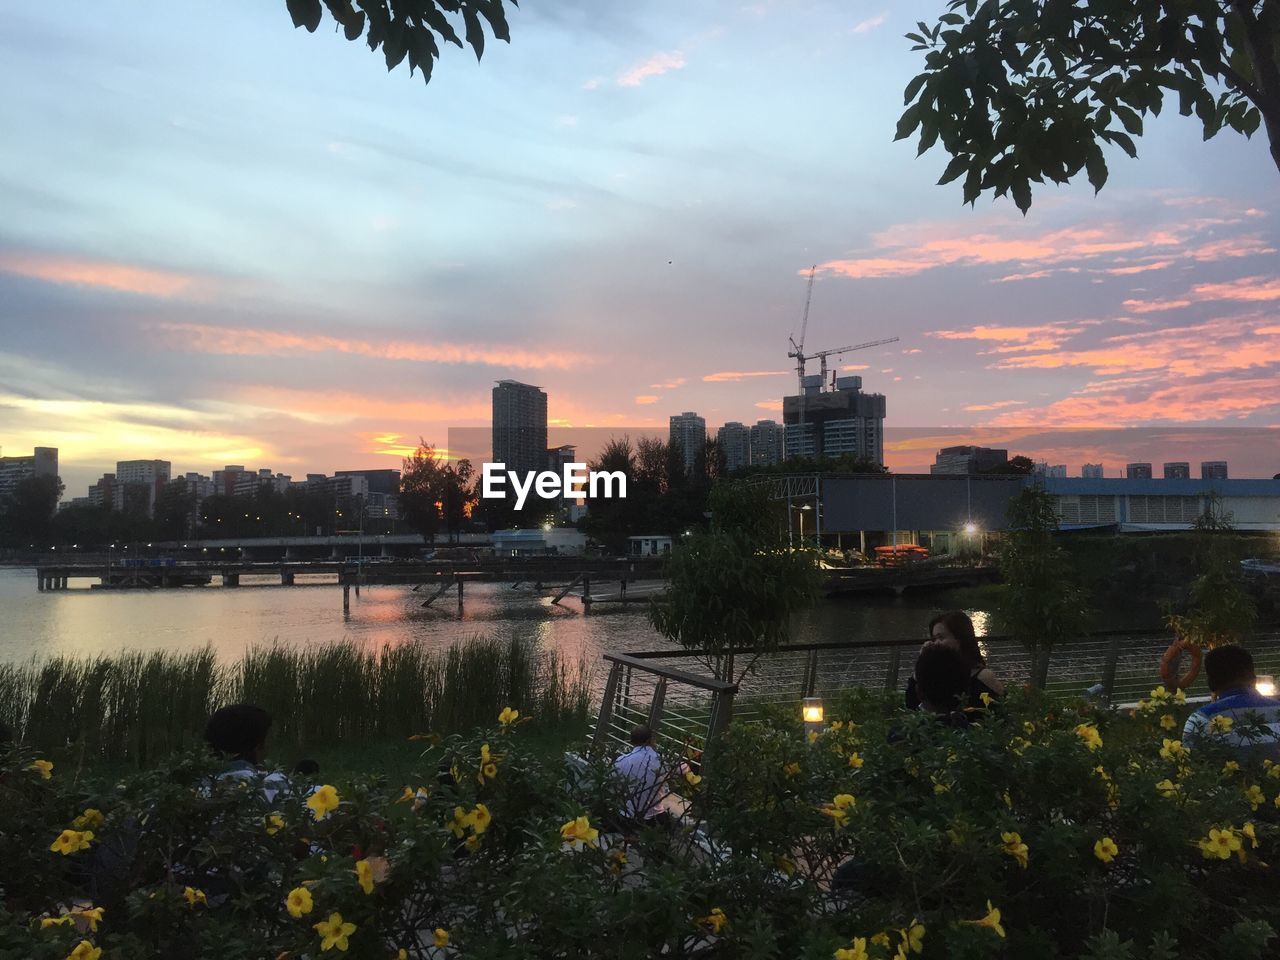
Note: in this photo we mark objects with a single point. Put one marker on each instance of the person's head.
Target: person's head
(239, 731)
(942, 678)
(1226, 668)
(641, 735)
(955, 630)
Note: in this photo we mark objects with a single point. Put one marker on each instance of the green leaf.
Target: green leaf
(1125, 142)
(1096, 167)
(928, 134)
(954, 19)
(475, 32)
(973, 185)
(493, 12)
(1021, 188)
(1130, 118)
(913, 88)
(908, 122)
(957, 166)
(305, 13)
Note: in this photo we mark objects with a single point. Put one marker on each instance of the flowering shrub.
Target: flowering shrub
(1045, 829)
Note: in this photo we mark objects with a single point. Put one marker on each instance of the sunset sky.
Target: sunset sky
(224, 240)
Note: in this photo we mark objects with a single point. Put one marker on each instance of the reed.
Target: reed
(133, 708)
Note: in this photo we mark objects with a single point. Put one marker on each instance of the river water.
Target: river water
(84, 621)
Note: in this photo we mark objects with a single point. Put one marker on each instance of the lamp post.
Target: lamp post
(812, 713)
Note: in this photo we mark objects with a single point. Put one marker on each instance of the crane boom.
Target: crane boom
(823, 354)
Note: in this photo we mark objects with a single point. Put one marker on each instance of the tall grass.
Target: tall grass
(133, 708)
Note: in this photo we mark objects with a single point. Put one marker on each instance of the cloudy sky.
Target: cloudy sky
(228, 241)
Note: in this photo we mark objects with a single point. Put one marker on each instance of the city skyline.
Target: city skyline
(263, 248)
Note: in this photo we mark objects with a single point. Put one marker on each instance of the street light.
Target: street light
(812, 714)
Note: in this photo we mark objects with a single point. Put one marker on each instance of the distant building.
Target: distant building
(735, 440)
(103, 492)
(559, 457)
(1213, 470)
(382, 491)
(688, 434)
(1045, 469)
(968, 459)
(224, 480)
(138, 484)
(538, 542)
(649, 545)
(766, 443)
(1091, 471)
(1177, 470)
(43, 462)
(519, 426)
(1137, 471)
(835, 422)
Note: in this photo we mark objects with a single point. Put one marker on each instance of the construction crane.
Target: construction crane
(797, 353)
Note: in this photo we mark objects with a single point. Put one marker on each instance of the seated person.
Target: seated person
(641, 770)
(239, 733)
(943, 683)
(955, 630)
(1229, 671)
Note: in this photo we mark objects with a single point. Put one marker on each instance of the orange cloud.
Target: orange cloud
(328, 406)
(669, 385)
(240, 341)
(104, 274)
(1246, 288)
(774, 405)
(647, 398)
(734, 376)
(997, 405)
(1155, 306)
(654, 66)
(1180, 402)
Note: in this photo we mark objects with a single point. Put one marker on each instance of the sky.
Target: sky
(225, 240)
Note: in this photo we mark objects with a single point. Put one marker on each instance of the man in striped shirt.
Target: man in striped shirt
(1239, 717)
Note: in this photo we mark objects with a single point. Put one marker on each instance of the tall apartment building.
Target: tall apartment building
(13, 470)
(1213, 470)
(1137, 471)
(968, 459)
(103, 492)
(688, 434)
(836, 422)
(1091, 471)
(383, 491)
(146, 478)
(735, 441)
(519, 426)
(766, 443)
(1177, 470)
(224, 480)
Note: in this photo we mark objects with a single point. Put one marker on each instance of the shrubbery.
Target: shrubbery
(1047, 829)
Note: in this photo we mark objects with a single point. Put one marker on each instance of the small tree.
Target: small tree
(1043, 602)
(423, 481)
(735, 586)
(1220, 609)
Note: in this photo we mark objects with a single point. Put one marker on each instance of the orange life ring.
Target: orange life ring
(1169, 664)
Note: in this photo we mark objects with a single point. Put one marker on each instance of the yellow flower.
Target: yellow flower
(813, 736)
(1248, 831)
(84, 950)
(401, 954)
(692, 778)
(855, 761)
(791, 769)
(71, 841)
(334, 932)
(1173, 750)
(440, 937)
(299, 902)
(93, 915)
(838, 809)
(986, 699)
(578, 833)
(1255, 796)
(1220, 844)
(991, 921)
(1028, 727)
(881, 939)
(459, 822)
(1221, 724)
(479, 818)
(194, 896)
(472, 843)
(940, 786)
(1168, 722)
(1105, 849)
(488, 764)
(1168, 789)
(1230, 767)
(1160, 695)
(913, 937)
(364, 876)
(715, 921)
(91, 819)
(1179, 696)
(508, 716)
(1088, 733)
(274, 824)
(1018, 745)
(855, 951)
(617, 860)
(44, 768)
(407, 795)
(1011, 843)
(1008, 800)
(323, 801)
(62, 921)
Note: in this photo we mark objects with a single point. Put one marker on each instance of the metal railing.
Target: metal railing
(677, 693)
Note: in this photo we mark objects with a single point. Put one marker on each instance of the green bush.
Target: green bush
(1086, 832)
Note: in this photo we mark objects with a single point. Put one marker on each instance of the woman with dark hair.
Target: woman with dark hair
(955, 630)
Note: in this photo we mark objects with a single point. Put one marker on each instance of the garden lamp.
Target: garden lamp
(811, 712)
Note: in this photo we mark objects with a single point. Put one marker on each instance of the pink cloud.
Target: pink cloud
(734, 376)
(866, 26)
(773, 405)
(647, 398)
(105, 274)
(654, 66)
(997, 405)
(242, 341)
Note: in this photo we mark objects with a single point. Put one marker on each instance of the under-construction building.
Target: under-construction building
(831, 423)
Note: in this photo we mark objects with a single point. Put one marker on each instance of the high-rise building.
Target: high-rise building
(766, 443)
(13, 470)
(519, 426)
(836, 422)
(382, 499)
(1213, 470)
(1177, 470)
(1091, 471)
(146, 478)
(1137, 471)
(968, 459)
(561, 456)
(688, 435)
(224, 480)
(735, 441)
(103, 492)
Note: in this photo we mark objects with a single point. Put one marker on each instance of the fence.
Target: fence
(677, 694)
